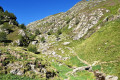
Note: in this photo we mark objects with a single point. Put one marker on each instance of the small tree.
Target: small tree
(12, 16)
(22, 26)
(1, 9)
(15, 23)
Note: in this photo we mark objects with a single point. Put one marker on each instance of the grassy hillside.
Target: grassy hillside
(104, 47)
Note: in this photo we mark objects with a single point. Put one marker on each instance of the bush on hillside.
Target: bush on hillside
(22, 26)
(77, 22)
(37, 32)
(43, 39)
(3, 36)
(11, 15)
(24, 41)
(67, 20)
(32, 37)
(59, 32)
(32, 48)
(6, 26)
(50, 32)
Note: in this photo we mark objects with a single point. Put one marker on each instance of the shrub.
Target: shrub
(6, 26)
(1, 9)
(37, 32)
(59, 32)
(3, 36)
(15, 23)
(30, 36)
(67, 19)
(1, 22)
(22, 26)
(11, 15)
(50, 32)
(43, 39)
(24, 41)
(32, 48)
(77, 21)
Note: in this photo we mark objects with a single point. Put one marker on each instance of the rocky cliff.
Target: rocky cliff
(80, 18)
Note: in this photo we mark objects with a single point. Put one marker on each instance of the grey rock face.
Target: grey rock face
(87, 21)
(76, 18)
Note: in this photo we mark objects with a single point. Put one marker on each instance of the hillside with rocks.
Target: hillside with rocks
(80, 44)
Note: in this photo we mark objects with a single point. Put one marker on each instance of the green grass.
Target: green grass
(83, 75)
(14, 35)
(75, 62)
(103, 46)
(62, 70)
(14, 77)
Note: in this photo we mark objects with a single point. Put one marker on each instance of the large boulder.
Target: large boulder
(110, 77)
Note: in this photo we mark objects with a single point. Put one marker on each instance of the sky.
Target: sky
(28, 11)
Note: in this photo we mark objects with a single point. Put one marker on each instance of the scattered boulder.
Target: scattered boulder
(99, 75)
(21, 72)
(110, 77)
(14, 71)
(17, 72)
(81, 69)
(66, 43)
(34, 42)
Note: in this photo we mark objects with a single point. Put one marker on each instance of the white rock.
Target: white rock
(33, 42)
(59, 49)
(53, 53)
(105, 43)
(69, 26)
(66, 43)
(107, 11)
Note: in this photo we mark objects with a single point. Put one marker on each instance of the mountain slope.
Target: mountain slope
(83, 34)
(80, 44)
